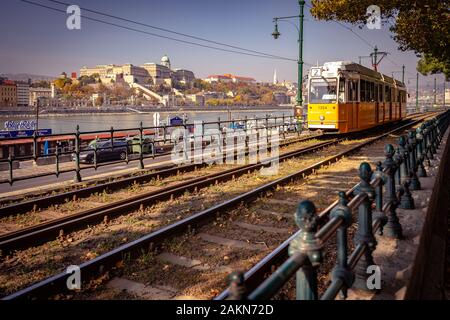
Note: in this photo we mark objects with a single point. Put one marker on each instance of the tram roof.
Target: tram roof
(356, 67)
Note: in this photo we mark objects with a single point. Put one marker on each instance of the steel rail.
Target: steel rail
(96, 266)
(38, 234)
(165, 171)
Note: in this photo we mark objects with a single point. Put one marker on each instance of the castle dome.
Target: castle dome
(165, 61)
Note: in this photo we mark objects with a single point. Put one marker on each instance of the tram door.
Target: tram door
(388, 98)
(355, 104)
(352, 104)
(377, 105)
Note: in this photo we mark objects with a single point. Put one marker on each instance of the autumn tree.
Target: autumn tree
(422, 26)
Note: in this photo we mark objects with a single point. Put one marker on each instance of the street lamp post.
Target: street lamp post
(276, 34)
(417, 92)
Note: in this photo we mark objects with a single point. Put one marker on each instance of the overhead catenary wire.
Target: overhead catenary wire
(350, 29)
(159, 35)
(169, 30)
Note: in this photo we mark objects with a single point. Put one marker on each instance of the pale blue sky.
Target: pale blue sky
(36, 40)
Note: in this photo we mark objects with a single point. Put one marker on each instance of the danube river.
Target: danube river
(94, 122)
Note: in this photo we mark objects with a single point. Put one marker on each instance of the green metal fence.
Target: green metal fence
(375, 199)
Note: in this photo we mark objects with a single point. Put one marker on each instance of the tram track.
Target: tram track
(157, 237)
(38, 234)
(55, 197)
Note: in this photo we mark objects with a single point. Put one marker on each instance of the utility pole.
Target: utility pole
(37, 117)
(403, 74)
(300, 56)
(374, 55)
(435, 90)
(417, 92)
(443, 101)
(299, 101)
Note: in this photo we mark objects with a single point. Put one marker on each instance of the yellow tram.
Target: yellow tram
(346, 96)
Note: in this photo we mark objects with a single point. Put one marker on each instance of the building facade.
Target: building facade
(8, 93)
(229, 78)
(158, 73)
(184, 77)
(149, 73)
(23, 93)
(39, 93)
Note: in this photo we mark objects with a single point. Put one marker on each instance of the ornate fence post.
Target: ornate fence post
(433, 137)
(404, 165)
(35, 147)
(57, 161)
(438, 130)
(391, 167)
(364, 234)
(406, 199)
(421, 169)
(77, 177)
(412, 143)
(342, 271)
(306, 243)
(379, 188)
(237, 286)
(427, 133)
(10, 168)
(141, 147)
(392, 228)
(425, 144)
(398, 158)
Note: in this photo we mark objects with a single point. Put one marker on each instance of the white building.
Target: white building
(228, 78)
(36, 93)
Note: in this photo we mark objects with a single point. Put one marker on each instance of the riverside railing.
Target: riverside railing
(375, 199)
(159, 137)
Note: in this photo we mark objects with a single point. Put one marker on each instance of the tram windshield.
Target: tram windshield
(323, 91)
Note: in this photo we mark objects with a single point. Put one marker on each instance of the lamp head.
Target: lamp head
(276, 33)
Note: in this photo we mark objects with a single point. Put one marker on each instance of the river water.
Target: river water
(94, 122)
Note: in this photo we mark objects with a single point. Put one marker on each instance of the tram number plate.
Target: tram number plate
(322, 107)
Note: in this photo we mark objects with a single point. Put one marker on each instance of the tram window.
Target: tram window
(380, 93)
(323, 91)
(375, 95)
(372, 92)
(363, 90)
(387, 93)
(350, 90)
(341, 89)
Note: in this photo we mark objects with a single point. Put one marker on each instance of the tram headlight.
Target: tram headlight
(322, 118)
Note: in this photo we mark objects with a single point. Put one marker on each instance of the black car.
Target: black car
(104, 152)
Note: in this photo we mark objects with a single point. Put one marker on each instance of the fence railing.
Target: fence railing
(375, 199)
(160, 136)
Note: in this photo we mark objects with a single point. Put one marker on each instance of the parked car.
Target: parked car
(135, 144)
(104, 151)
